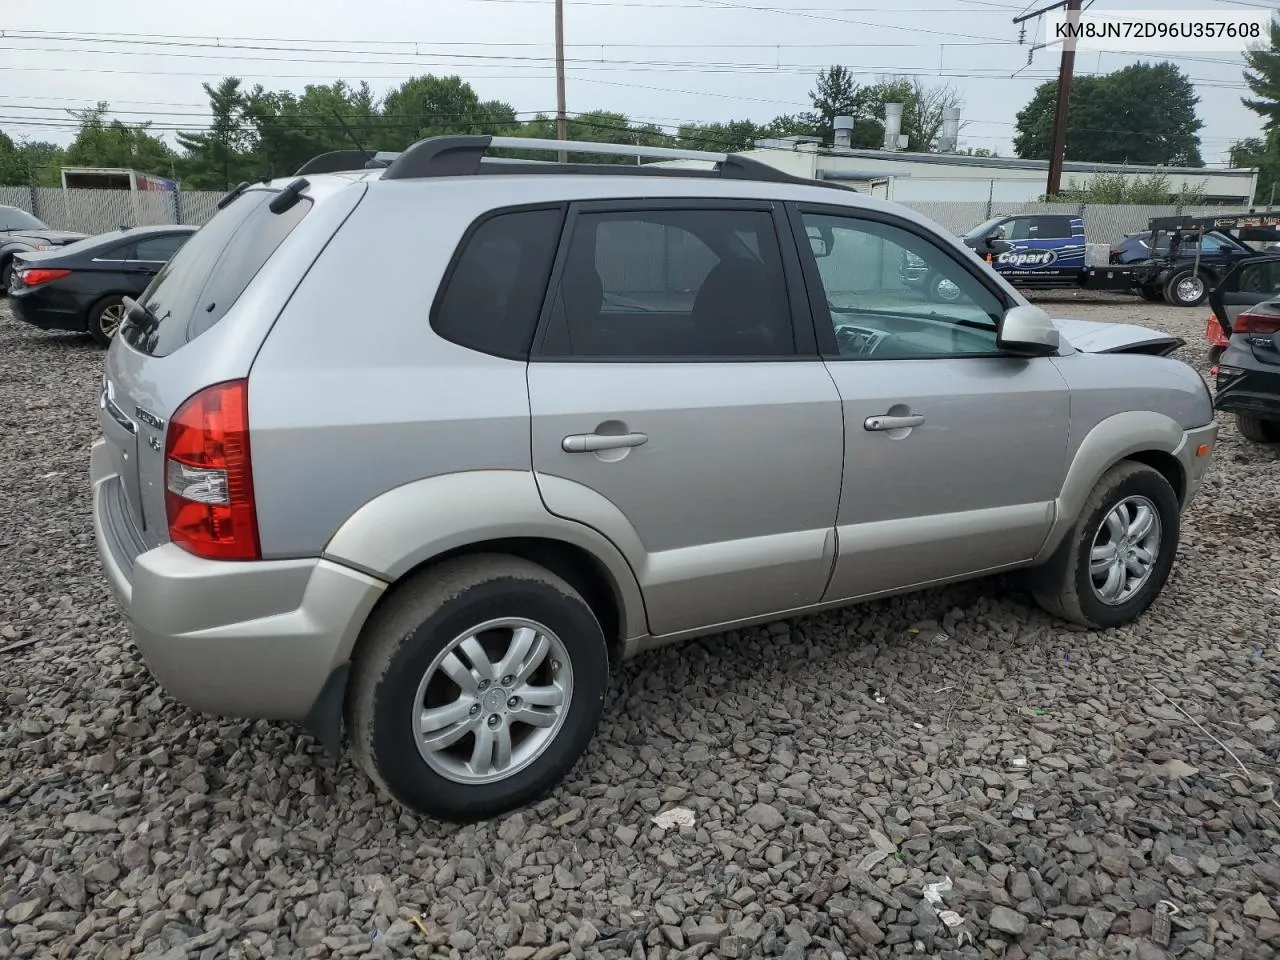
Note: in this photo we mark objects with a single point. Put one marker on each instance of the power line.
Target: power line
(638, 67)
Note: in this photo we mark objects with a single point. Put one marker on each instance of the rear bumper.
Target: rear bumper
(47, 316)
(1246, 385)
(252, 640)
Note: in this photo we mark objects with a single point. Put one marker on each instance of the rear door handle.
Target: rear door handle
(886, 422)
(591, 442)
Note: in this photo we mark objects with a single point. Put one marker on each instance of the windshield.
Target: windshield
(11, 218)
(982, 229)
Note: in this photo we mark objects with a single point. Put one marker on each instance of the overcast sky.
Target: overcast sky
(662, 61)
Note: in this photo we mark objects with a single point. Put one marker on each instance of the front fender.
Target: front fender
(1110, 441)
(411, 524)
(7, 250)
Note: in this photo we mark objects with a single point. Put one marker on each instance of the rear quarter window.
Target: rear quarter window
(493, 291)
(203, 280)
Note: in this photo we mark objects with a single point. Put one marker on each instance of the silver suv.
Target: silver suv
(431, 447)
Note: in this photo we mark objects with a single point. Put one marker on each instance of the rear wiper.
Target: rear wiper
(137, 314)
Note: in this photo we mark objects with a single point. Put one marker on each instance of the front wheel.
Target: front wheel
(6, 277)
(476, 687)
(1116, 559)
(1186, 288)
(1258, 429)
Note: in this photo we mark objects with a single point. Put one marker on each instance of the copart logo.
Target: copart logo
(1028, 258)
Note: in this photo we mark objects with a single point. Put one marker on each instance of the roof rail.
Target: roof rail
(460, 156)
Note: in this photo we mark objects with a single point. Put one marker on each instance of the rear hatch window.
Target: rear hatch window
(206, 276)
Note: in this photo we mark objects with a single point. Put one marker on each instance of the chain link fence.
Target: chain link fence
(98, 211)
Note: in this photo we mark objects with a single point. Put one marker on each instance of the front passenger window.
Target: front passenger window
(893, 294)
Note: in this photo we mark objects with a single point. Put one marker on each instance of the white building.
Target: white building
(932, 177)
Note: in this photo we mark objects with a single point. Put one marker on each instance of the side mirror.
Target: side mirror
(1027, 331)
(999, 246)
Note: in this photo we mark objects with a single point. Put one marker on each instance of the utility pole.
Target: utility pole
(1058, 146)
(562, 132)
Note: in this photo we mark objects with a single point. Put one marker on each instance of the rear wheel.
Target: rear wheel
(1116, 559)
(476, 687)
(1186, 288)
(1258, 429)
(105, 318)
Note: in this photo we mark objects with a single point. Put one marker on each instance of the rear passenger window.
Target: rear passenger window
(672, 284)
(494, 293)
(159, 249)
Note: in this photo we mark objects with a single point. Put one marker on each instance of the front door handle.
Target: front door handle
(886, 422)
(591, 442)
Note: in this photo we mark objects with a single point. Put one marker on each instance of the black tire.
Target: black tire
(1187, 298)
(1258, 429)
(101, 315)
(414, 627)
(6, 275)
(1064, 587)
(1148, 292)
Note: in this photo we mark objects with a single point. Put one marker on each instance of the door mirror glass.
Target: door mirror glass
(1028, 331)
(821, 239)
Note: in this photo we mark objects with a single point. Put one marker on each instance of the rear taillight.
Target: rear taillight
(32, 277)
(208, 477)
(1257, 323)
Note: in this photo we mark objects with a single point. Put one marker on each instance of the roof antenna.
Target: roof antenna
(367, 155)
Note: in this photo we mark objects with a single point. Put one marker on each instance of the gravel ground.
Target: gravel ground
(1065, 781)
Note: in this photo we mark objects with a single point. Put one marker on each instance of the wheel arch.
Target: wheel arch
(424, 523)
(1141, 436)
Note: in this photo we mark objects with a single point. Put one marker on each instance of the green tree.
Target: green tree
(1262, 153)
(1143, 113)
(430, 106)
(225, 154)
(1262, 76)
(789, 125)
(101, 142)
(14, 168)
(730, 137)
(290, 130)
(45, 161)
(837, 94)
(1120, 188)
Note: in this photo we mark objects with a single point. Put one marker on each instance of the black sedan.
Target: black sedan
(83, 286)
(1247, 304)
(20, 232)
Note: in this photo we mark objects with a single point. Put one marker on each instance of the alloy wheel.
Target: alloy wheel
(493, 701)
(110, 319)
(1124, 550)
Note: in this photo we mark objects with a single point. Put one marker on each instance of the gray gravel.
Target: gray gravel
(836, 767)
